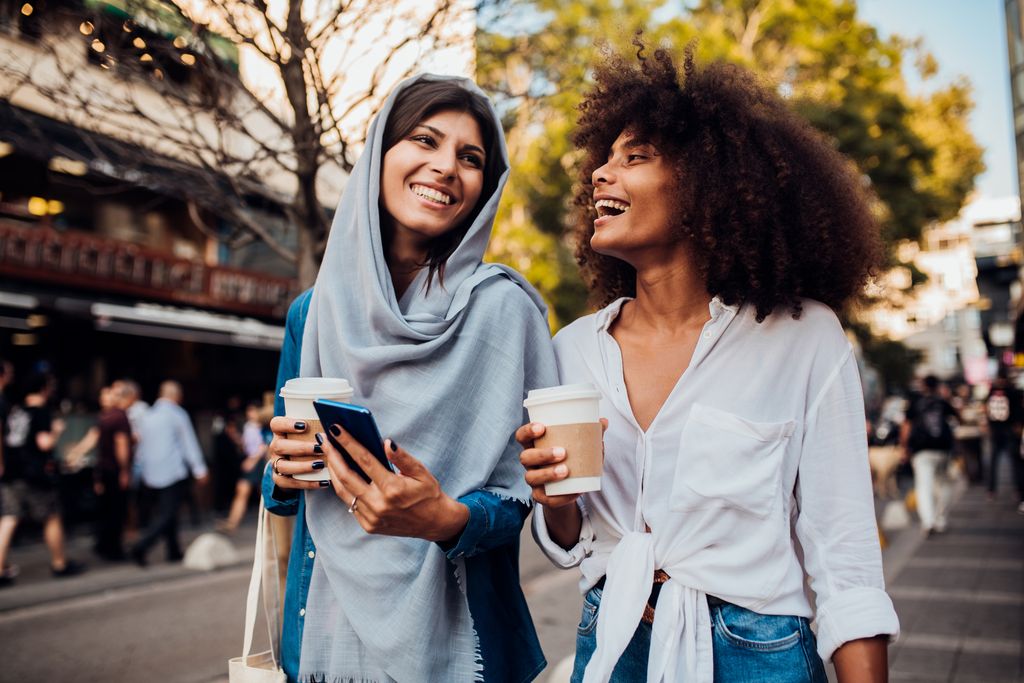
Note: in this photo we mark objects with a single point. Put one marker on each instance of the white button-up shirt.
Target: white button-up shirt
(752, 476)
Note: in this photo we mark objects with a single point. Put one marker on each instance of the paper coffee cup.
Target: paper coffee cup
(299, 394)
(571, 414)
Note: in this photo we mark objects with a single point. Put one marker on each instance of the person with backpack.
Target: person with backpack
(1004, 414)
(927, 441)
(28, 484)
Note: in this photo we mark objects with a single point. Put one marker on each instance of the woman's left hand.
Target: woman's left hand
(409, 504)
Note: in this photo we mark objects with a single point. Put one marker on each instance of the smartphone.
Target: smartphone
(357, 421)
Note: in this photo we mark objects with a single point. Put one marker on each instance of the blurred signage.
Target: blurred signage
(79, 259)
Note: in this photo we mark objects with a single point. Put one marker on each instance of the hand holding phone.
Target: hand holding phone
(357, 421)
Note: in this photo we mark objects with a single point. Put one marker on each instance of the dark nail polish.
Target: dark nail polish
(324, 483)
(319, 438)
(394, 446)
(318, 449)
(336, 430)
(318, 465)
(300, 425)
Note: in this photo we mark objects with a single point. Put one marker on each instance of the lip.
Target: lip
(602, 220)
(440, 188)
(603, 195)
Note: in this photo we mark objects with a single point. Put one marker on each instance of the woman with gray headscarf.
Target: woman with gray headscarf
(414, 576)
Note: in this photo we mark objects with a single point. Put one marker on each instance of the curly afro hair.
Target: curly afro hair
(773, 212)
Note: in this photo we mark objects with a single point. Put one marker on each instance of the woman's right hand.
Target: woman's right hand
(289, 456)
(543, 465)
(562, 516)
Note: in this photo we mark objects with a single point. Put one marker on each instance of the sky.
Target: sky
(967, 37)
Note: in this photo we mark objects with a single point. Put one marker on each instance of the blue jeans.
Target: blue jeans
(747, 646)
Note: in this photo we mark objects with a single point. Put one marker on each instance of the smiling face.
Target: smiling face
(633, 196)
(432, 178)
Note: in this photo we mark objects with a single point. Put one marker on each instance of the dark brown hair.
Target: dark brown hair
(771, 210)
(420, 101)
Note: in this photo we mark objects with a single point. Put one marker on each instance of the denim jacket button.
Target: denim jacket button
(302, 612)
(312, 554)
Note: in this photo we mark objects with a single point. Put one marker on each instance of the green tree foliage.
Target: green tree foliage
(915, 151)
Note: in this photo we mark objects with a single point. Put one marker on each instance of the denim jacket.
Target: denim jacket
(489, 546)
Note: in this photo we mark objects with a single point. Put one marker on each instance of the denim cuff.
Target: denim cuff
(478, 525)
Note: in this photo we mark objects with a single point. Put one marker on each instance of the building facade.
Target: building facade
(108, 269)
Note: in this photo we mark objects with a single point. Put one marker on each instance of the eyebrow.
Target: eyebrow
(438, 133)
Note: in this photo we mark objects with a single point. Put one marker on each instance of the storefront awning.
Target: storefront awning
(145, 319)
(170, 322)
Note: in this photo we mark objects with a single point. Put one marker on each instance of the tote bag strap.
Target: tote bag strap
(260, 565)
(271, 583)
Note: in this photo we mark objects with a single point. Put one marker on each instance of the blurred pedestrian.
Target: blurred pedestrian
(1004, 413)
(169, 456)
(968, 431)
(927, 441)
(135, 408)
(227, 452)
(112, 437)
(254, 447)
(7, 572)
(129, 396)
(29, 484)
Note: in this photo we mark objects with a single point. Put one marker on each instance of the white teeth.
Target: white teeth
(611, 204)
(432, 194)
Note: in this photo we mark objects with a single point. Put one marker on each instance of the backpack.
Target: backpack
(930, 430)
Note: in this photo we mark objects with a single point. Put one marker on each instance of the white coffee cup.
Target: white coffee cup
(299, 394)
(572, 415)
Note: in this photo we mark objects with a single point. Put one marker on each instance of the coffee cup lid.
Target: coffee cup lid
(565, 392)
(315, 387)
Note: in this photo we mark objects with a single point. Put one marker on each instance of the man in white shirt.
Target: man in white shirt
(168, 455)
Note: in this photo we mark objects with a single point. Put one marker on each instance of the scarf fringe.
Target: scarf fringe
(505, 495)
(459, 567)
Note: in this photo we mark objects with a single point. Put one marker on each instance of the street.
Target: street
(960, 597)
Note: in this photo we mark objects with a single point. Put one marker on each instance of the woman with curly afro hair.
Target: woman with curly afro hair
(722, 235)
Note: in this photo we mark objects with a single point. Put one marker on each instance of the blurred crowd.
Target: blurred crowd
(123, 473)
(942, 432)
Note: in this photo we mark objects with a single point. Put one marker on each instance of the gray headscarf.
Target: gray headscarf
(444, 372)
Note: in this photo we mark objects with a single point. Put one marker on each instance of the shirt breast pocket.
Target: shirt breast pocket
(727, 461)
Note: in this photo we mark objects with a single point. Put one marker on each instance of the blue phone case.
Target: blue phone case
(357, 421)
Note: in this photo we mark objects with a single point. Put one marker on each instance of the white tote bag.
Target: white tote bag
(262, 667)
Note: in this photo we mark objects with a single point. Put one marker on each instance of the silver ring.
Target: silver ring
(352, 507)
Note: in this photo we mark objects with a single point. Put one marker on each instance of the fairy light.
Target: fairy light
(98, 46)
(188, 59)
(146, 58)
(27, 9)
(139, 43)
(37, 206)
(86, 28)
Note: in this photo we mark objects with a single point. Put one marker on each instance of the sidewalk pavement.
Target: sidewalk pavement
(35, 585)
(960, 595)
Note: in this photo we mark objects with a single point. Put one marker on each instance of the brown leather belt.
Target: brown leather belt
(660, 577)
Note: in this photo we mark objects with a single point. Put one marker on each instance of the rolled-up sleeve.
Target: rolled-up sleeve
(836, 520)
(493, 521)
(565, 559)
